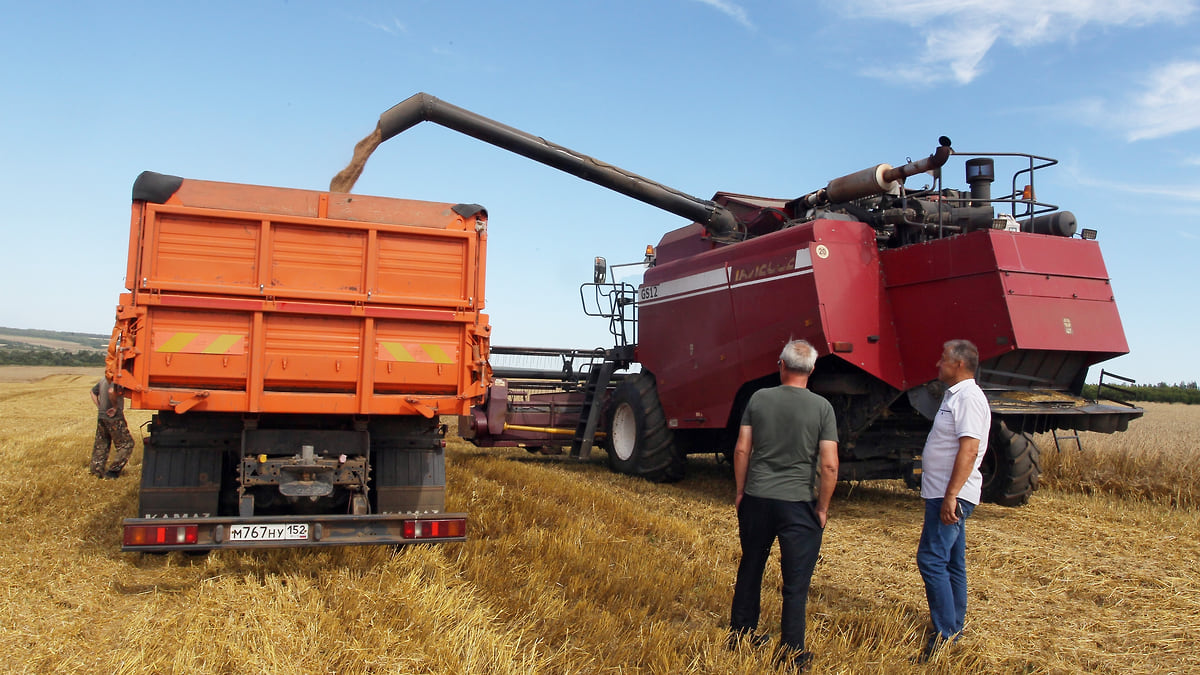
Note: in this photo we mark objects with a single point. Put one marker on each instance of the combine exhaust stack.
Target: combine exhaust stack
(875, 180)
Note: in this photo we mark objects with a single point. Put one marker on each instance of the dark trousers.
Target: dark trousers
(795, 524)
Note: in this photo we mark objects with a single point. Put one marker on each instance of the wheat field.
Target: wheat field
(572, 569)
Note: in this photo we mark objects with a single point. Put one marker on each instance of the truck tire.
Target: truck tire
(1011, 467)
(639, 442)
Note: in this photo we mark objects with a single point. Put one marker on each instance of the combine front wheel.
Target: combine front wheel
(639, 443)
(1010, 468)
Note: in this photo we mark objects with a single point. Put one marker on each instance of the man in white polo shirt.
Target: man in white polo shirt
(950, 485)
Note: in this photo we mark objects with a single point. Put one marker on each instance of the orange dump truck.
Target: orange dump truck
(299, 348)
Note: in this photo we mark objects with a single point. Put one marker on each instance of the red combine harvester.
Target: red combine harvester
(876, 275)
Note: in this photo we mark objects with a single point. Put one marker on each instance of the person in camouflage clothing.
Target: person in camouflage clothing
(110, 429)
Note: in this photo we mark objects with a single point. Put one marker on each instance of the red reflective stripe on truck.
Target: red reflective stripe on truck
(292, 307)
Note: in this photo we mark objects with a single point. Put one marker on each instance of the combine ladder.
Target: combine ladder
(589, 418)
(1073, 436)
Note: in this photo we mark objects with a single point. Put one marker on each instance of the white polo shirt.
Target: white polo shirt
(964, 412)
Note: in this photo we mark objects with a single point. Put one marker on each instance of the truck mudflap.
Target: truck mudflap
(160, 535)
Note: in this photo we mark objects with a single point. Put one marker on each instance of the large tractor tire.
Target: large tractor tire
(639, 442)
(1011, 467)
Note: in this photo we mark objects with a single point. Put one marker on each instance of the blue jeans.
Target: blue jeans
(796, 525)
(942, 559)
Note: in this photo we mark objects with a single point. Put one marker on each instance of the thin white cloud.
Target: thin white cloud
(1169, 104)
(958, 34)
(731, 9)
(1165, 102)
(394, 27)
(1185, 193)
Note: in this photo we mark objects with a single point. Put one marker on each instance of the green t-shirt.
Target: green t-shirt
(787, 424)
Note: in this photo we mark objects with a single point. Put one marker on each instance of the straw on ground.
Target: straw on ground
(572, 569)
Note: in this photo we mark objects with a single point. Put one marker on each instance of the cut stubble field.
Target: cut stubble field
(572, 569)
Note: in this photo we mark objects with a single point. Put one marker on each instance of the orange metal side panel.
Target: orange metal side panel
(411, 354)
(424, 267)
(310, 353)
(205, 251)
(195, 249)
(304, 260)
(197, 349)
(257, 299)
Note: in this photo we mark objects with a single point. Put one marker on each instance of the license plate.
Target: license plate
(269, 532)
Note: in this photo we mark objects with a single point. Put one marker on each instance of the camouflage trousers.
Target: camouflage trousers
(114, 431)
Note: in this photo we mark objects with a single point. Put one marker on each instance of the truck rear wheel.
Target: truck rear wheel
(1011, 467)
(639, 443)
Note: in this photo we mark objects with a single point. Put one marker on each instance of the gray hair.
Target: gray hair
(799, 356)
(965, 351)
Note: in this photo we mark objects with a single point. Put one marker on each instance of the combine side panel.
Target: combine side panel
(774, 299)
(1004, 291)
(855, 308)
(711, 322)
(688, 338)
(1059, 296)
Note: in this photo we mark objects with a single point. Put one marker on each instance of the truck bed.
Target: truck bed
(249, 299)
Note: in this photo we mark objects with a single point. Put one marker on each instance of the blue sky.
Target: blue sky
(763, 98)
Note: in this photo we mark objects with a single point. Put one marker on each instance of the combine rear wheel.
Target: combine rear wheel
(1011, 467)
(639, 443)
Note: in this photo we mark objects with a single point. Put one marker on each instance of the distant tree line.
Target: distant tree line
(1155, 393)
(35, 356)
(84, 339)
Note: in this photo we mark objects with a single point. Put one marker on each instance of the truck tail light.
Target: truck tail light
(435, 529)
(155, 535)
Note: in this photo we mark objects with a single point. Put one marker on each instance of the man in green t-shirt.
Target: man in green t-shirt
(786, 466)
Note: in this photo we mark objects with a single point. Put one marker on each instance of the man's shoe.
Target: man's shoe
(112, 474)
(798, 660)
(933, 647)
(747, 637)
